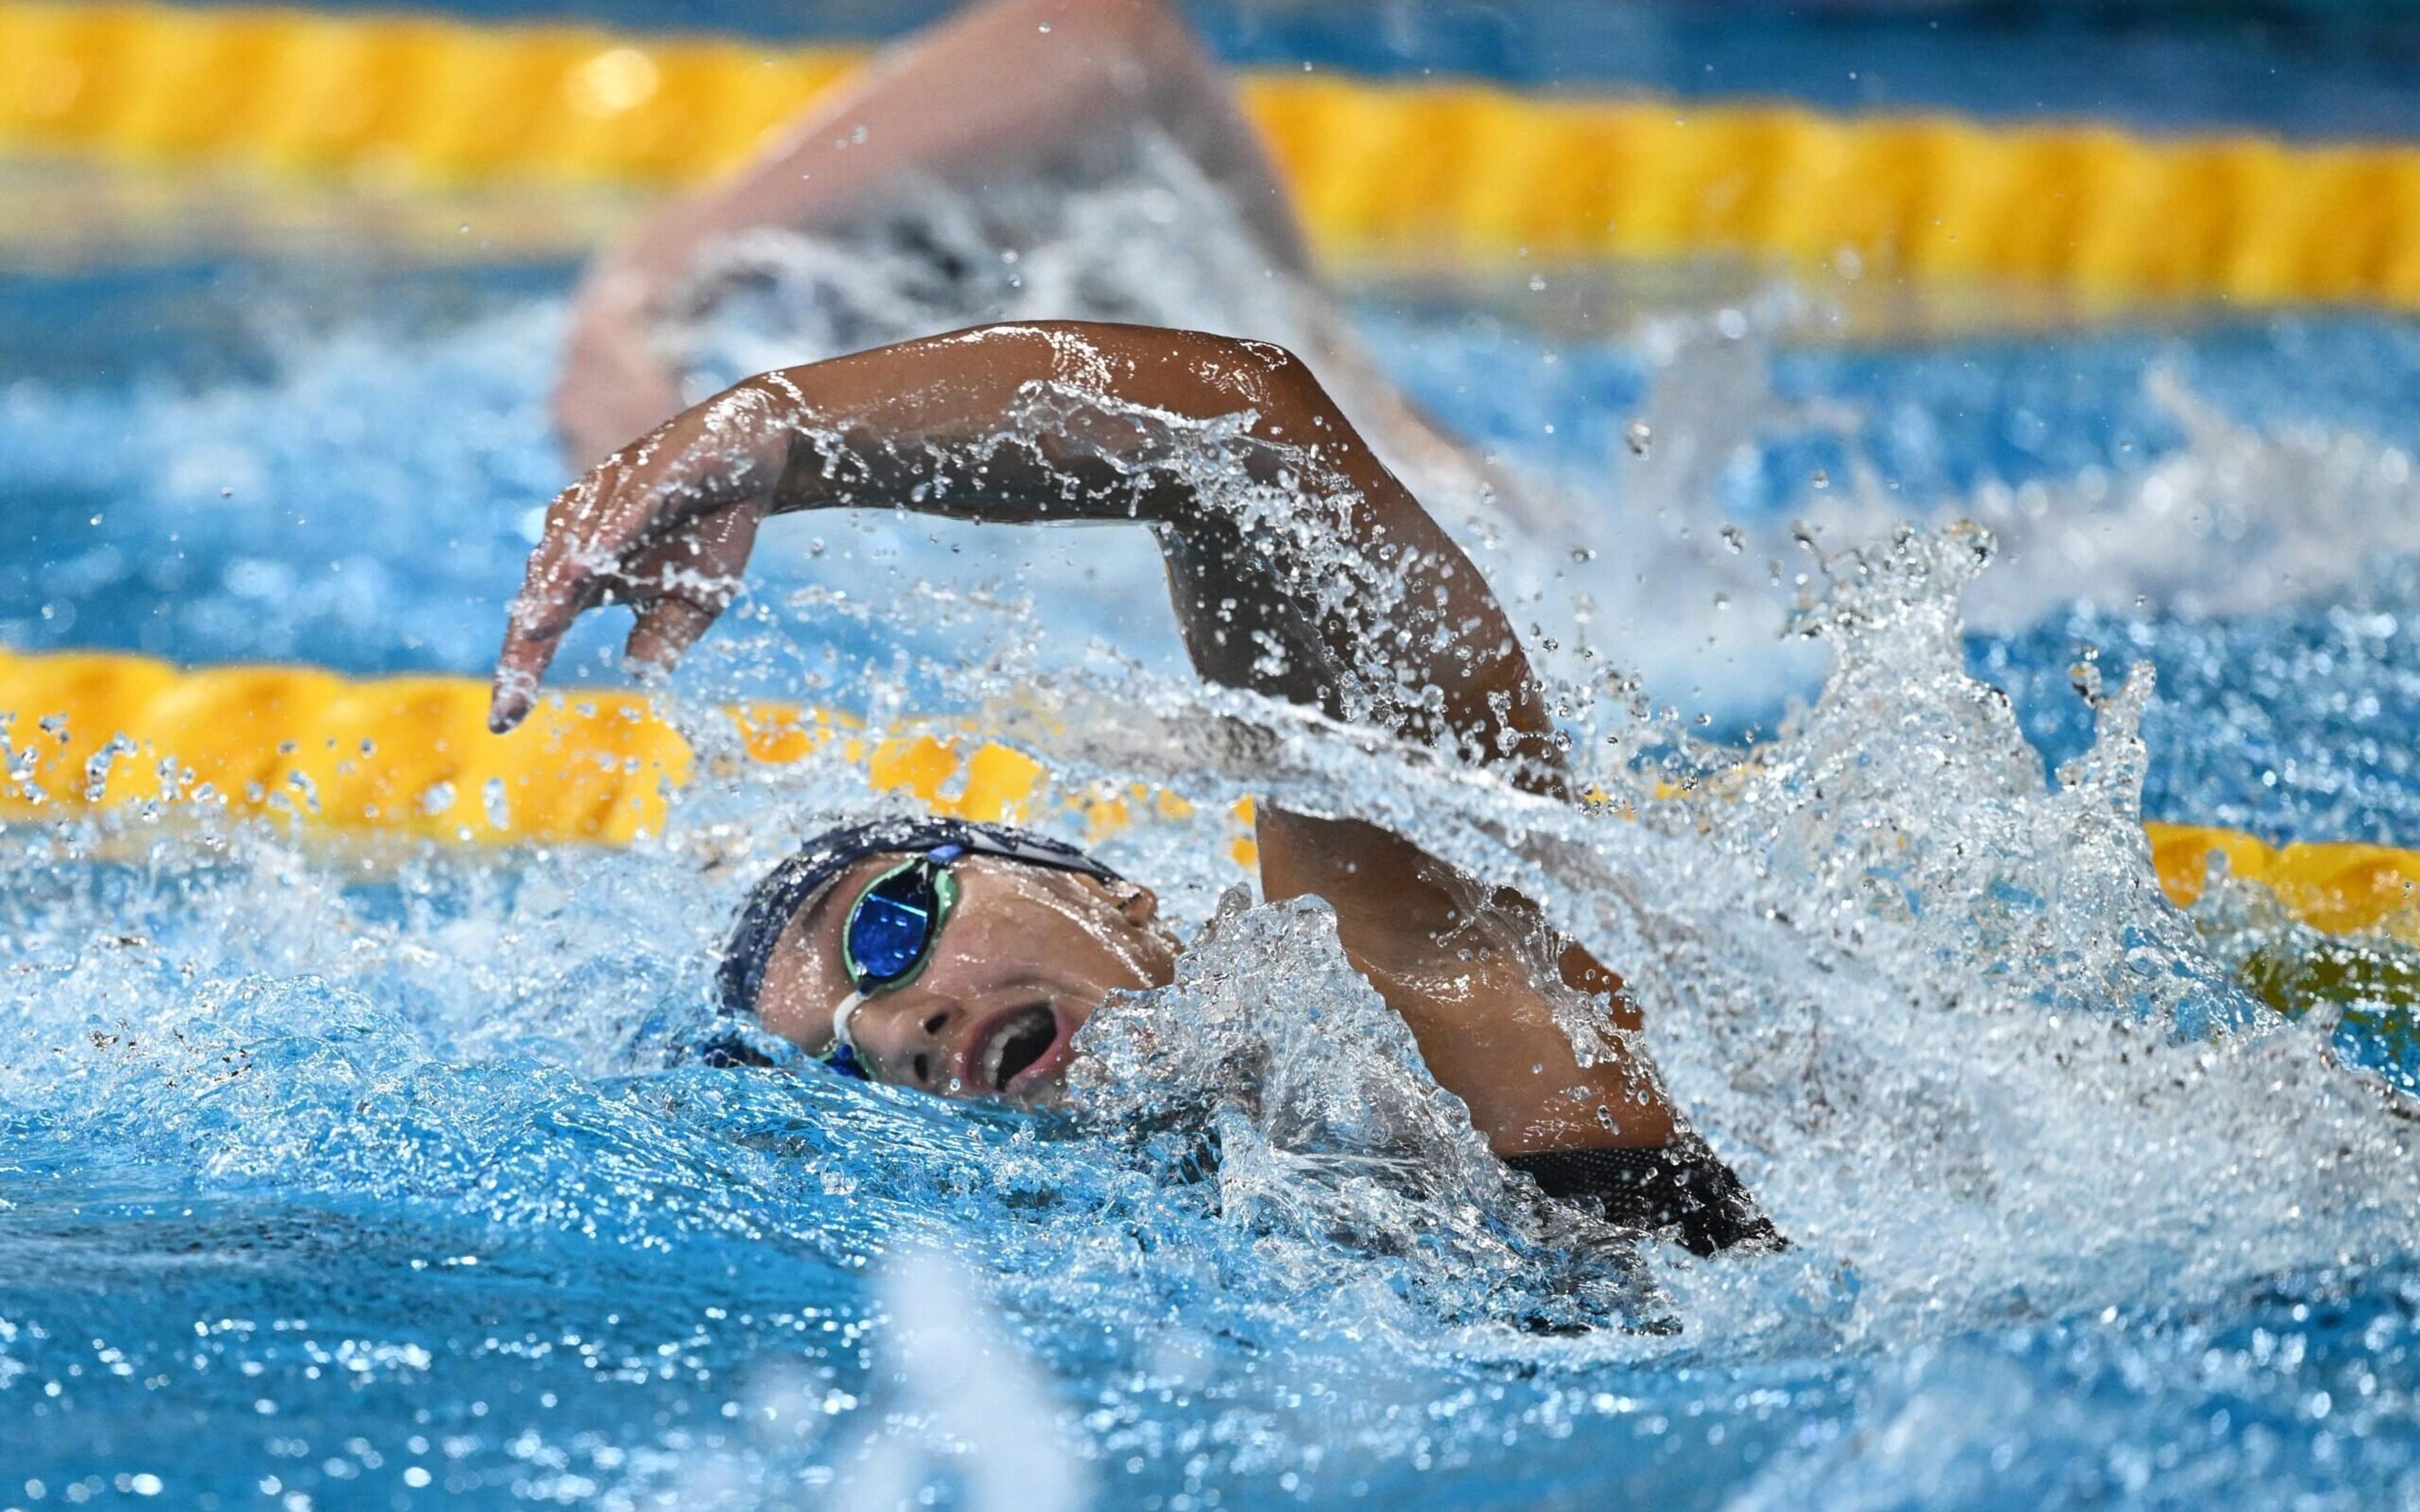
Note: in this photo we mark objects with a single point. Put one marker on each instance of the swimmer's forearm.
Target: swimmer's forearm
(1079, 421)
(1055, 420)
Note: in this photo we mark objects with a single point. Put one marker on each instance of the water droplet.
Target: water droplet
(96, 768)
(1637, 435)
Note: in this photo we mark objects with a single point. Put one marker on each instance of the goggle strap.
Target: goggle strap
(842, 1056)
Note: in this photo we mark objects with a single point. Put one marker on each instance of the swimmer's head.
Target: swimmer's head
(958, 958)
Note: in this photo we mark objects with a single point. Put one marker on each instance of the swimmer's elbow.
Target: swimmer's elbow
(1242, 372)
(1191, 372)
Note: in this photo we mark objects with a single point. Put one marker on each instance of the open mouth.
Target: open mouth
(1014, 1043)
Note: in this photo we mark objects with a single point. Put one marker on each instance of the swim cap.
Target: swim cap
(770, 905)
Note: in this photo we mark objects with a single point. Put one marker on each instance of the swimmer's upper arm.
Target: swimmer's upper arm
(1476, 977)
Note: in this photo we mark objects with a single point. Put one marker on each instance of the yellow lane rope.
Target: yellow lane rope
(412, 756)
(1438, 173)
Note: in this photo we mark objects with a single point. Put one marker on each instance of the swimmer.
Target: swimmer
(963, 958)
(934, 190)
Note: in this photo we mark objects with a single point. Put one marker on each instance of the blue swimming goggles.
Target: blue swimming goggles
(897, 918)
(890, 933)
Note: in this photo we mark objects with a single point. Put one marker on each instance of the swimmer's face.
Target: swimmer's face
(1022, 961)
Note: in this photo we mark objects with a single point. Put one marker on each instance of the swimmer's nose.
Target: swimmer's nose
(903, 1040)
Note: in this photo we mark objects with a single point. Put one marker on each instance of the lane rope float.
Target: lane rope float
(411, 757)
(1433, 173)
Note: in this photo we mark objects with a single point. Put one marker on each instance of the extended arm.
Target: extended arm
(995, 86)
(1298, 565)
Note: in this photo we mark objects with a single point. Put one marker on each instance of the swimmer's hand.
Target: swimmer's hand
(664, 525)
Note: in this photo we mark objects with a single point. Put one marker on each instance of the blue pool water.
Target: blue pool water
(330, 1180)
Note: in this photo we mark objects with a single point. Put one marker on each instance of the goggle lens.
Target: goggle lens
(892, 929)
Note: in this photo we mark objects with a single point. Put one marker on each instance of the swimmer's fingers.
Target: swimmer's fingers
(580, 560)
(567, 575)
(533, 630)
(684, 581)
(665, 631)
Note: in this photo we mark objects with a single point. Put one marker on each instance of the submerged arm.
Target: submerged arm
(1298, 565)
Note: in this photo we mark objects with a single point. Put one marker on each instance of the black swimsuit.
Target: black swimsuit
(1683, 1187)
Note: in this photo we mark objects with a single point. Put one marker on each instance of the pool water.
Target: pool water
(336, 1177)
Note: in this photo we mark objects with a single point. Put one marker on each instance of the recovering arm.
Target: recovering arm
(1299, 567)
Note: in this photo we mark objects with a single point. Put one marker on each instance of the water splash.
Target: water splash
(393, 1149)
(2238, 520)
(1931, 1005)
(966, 1395)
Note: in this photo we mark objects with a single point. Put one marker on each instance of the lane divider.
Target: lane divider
(1440, 174)
(411, 757)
